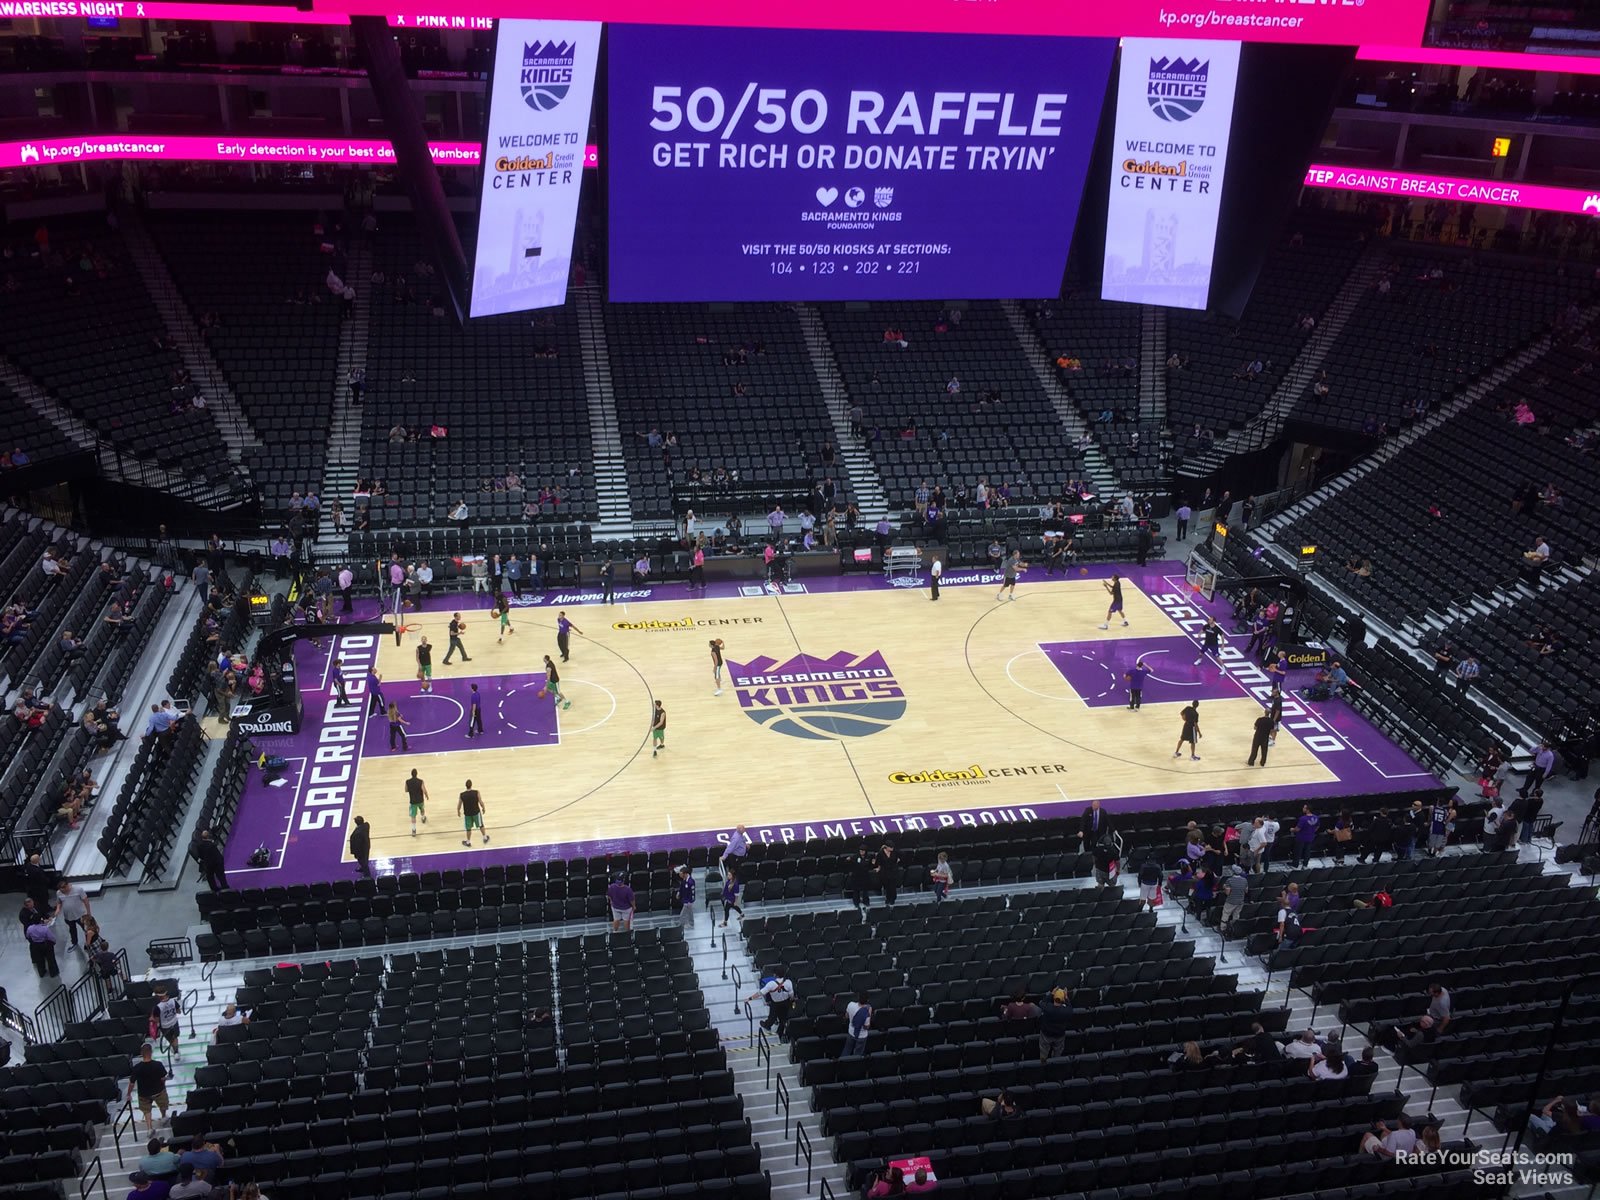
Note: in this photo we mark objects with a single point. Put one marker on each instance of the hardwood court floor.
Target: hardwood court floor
(981, 697)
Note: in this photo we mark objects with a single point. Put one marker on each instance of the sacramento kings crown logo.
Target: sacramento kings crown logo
(820, 699)
(1177, 87)
(546, 74)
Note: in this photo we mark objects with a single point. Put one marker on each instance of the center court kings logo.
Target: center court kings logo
(819, 699)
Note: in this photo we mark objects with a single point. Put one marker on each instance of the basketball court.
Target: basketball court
(848, 707)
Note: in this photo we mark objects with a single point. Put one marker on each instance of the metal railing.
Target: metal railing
(780, 1095)
(93, 1174)
(18, 1021)
(738, 989)
(173, 951)
(207, 974)
(764, 1054)
(802, 1146)
(750, 1015)
(123, 1124)
(824, 1191)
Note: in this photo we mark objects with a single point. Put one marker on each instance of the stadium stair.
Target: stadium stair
(1268, 424)
(865, 485)
(231, 422)
(114, 463)
(343, 464)
(757, 1078)
(1153, 366)
(605, 435)
(1095, 464)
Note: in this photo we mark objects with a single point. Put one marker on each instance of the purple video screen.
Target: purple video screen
(766, 164)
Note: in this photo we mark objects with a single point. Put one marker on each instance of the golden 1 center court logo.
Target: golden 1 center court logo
(976, 773)
(678, 625)
(820, 699)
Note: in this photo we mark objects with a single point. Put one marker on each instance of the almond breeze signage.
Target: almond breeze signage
(533, 160)
(1174, 113)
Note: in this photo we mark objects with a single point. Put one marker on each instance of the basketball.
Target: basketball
(1083, 570)
(543, 692)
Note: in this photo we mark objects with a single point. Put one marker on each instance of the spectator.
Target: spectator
(779, 993)
(1235, 883)
(1331, 1065)
(205, 1157)
(1433, 1022)
(146, 1188)
(1305, 1046)
(189, 1187)
(942, 876)
(1259, 1047)
(1055, 1018)
(1367, 1066)
(158, 1162)
(167, 1014)
(860, 880)
(148, 1079)
(1565, 1116)
(857, 1025)
(231, 1016)
(1305, 835)
(1191, 1058)
(1386, 1142)
(1150, 884)
(731, 890)
(1003, 1107)
(72, 906)
(1019, 1007)
(623, 904)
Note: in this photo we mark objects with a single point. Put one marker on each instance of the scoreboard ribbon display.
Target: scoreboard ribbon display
(783, 165)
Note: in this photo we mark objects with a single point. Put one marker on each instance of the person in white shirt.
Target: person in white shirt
(1304, 1047)
(231, 1016)
(425, 578)
(1386, 1142)
(936, 575)
(1269, 833)
(779, 992)
(1330, 1067)
(857, 1025)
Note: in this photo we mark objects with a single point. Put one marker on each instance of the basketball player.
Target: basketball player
(417, 800)
(474, 712)
(1275, 711)
(457, 626)
(397, 727)
(1114, 587)
(658, 729)
(564, 630)
(1262, 739)
(1013, 567)
(470, 808)
(1137, 676)
(716, 664)
(552, 683)
(505, 619)
(1190, 732)
(1210, 642)
(425, 664)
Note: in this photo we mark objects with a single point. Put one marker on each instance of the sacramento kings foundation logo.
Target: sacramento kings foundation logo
(546, 73)
(821, 699)
(1177, 87)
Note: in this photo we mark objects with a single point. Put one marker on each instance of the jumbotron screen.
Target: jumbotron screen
(754, 164)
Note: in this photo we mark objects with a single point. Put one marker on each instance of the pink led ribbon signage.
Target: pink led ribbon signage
(1321, 22)
(347, 152)
(1410, 186)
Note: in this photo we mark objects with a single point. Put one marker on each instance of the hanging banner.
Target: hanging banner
(539, 99)
(1174, 113)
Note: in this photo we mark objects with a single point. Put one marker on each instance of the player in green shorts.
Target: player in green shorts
(417, 796)
(505, 620)
(658, 729)
(552, 683)
(471, 808)
(425, 664)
